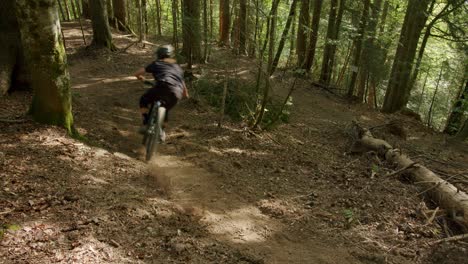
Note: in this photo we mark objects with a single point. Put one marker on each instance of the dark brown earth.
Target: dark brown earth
(213, 195)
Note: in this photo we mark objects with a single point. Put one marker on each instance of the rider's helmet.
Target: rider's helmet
(165, 51)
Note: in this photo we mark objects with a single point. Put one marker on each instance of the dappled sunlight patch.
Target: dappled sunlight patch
(279, 208)
(244, 225)
(97, 81)
(92, 180)
(168, 161)
(230, 151)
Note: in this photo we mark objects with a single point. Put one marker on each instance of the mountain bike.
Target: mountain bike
(154, 132)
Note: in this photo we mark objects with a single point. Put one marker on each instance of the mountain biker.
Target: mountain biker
(169, 87)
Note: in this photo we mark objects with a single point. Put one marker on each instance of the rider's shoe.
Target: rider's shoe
(142, 130)
(162, 137)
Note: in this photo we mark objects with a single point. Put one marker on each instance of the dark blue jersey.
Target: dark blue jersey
(170, 73)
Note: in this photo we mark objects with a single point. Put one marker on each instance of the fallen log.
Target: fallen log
(440, 191)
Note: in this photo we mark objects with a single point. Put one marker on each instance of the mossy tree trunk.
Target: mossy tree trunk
(101, 31)
(40, 31)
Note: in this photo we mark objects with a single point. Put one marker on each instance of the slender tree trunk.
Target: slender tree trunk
(431, 108)
(279, 51)
(325, 72)
(158, 15)
(421, 98)
(444, 12)
(141, 32)
(383, 18)
(40, 32)
(67, 10)
(205, 30)
(369, 47)
(455, 118)
(175, 15)
(292, 39)
(314, 34)
(101, 31)
(398, 91)
(266, 91)
(336, 38)
(74, 10)
(302, 33)
(224, 21)
(256, 29)
(144, 5)
(64, 18)
(345, 64)
(357, 52)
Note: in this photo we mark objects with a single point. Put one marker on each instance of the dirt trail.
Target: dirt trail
(212, 195)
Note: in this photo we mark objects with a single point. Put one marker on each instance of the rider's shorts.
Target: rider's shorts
(160, 92)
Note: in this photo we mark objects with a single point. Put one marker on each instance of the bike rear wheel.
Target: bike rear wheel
(153, 135)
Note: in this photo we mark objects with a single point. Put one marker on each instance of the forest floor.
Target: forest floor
(213, 195)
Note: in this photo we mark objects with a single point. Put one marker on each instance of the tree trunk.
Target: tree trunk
(275, 62)
(444, 12)
(13, 73)
(334, 22)
(242, 26)
(314, 34)
(50, 81)
(101, 32)
(357, 53)
(141, 31)
(191, 30)
(120, 14)
(85, 9)
(336, 38)
(302, 33)
(224, 22)
(454, 121)
(398, 91)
